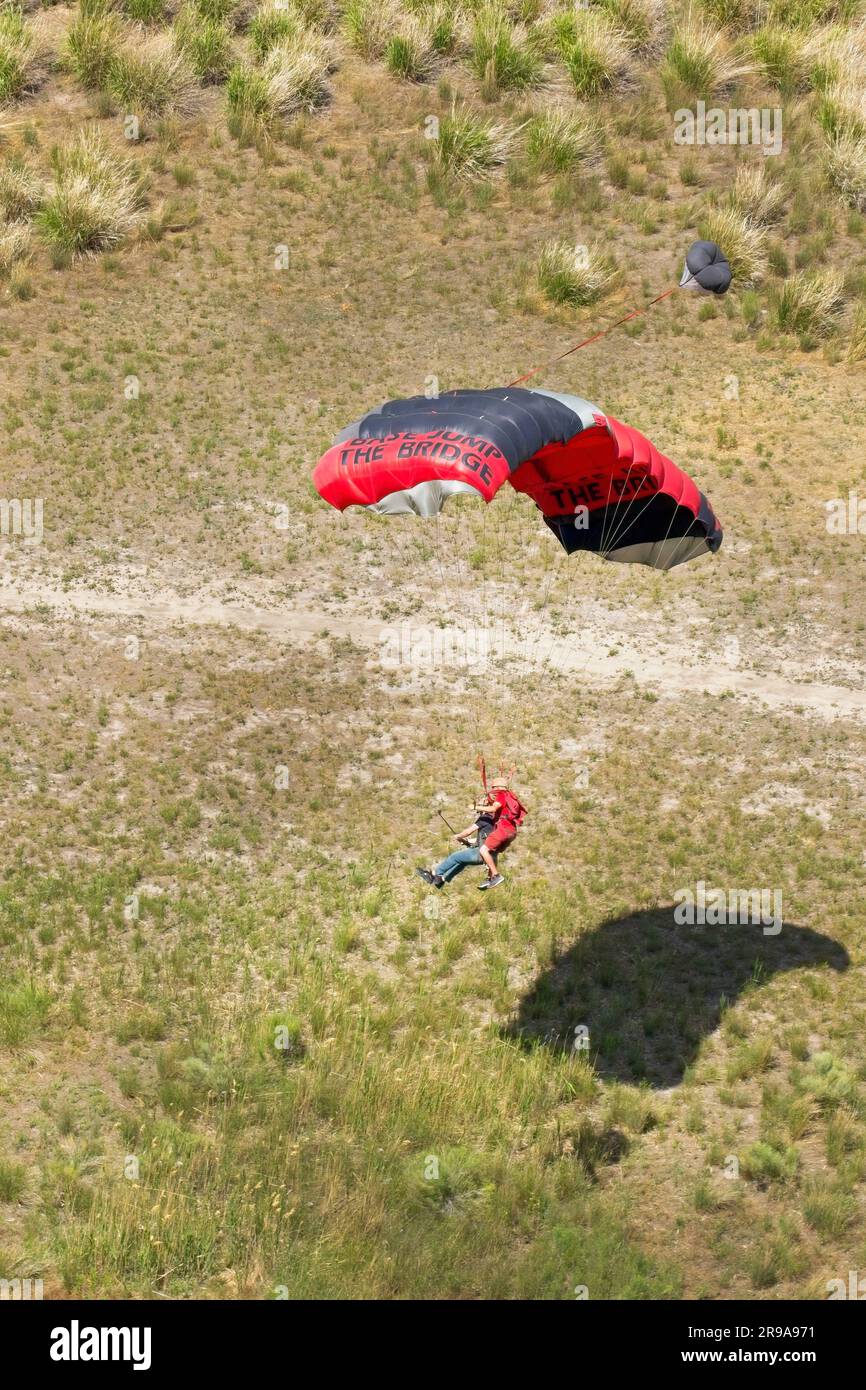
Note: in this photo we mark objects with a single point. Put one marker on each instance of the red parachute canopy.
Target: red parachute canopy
(600, 485)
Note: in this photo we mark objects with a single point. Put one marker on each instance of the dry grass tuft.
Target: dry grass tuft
(743, 242)
(95, 199)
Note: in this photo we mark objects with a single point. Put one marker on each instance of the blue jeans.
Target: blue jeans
(457, 862)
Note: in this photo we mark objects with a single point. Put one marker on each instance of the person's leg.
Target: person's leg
(456, 862)
(496, 842)
(488, 860)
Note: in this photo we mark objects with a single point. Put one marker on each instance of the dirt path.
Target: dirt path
(599, 651)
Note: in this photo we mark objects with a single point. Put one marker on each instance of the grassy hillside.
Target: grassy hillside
(243, 1050)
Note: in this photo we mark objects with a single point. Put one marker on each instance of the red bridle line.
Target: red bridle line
(595, 337)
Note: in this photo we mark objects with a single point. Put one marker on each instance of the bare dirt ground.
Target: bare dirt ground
(601, 650)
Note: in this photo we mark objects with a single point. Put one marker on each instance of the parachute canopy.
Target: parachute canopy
(706, 269)
(600, 485)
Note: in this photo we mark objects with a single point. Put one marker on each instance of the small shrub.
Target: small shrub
(744, 244)
(699, 64)
(91, 45)
(501, 55)
(21, 192)
(95, 199)
(809, 303)
(205, 43)
(560, 140)
(471, 147)
(573, 275)
(597, 55)
(23, 57)
(153, 76)
(15, 240)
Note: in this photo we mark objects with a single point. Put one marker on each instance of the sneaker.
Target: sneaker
(493, 882)
(426, 875)
(438, 881)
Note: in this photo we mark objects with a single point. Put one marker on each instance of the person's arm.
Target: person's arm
(468, 832)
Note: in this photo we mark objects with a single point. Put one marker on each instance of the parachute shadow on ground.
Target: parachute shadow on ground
(649, 990)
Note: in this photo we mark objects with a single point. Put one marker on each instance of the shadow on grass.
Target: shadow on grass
(649, 990)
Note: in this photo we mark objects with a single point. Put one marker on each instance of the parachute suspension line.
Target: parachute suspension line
(502, 547)
(494, 599)
(604, 527)
(444, 550)
(491, 535)
(552, 573)
(602, 333)
(609, 526)
(446, 594)
(571, 572)
(625, 523)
